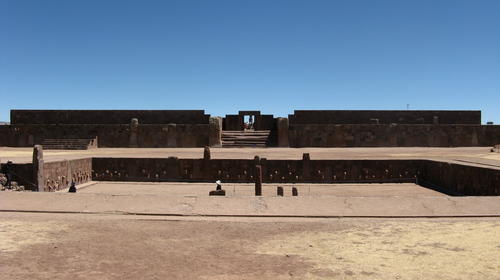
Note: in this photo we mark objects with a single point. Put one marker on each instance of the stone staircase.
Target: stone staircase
(69, 144)
(247, 138)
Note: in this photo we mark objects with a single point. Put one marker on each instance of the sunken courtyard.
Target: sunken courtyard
(318, 194)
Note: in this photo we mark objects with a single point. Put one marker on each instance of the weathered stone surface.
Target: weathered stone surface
(279, 191)
(384, 117)
(396, 135)
(258, 180)
(206, 153)
(134, 130)
(215, 132)
(38, 168)
(282, 124)
(107, 116)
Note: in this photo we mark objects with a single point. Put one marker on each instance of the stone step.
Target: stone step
(243, 145)
(248, 138)
(68, 143)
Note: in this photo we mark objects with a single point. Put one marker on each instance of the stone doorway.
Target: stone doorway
(248, 122)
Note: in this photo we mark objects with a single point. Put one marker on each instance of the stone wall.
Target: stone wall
(393, 135)
(241, 171)
(460, 179)
(112, 136)
(23, 175)
(454, 179)
(108, 116)
(384, 117)
(451, 178)
(59, 174)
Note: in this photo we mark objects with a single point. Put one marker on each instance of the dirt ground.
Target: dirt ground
(234, 189)
(78, 246)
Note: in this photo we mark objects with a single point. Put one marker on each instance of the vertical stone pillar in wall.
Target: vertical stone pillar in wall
(258, 180)
(215, 132)
(206, 153)
(282, 124)
(306, 167)
(69, 174)
(172, 135)
(38, 174)
(134, 131)
(206, 163)
(474, 140)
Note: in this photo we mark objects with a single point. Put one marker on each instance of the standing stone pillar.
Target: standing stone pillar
(134, 131)
(306, 167)
(38, 174)
(206, 153)
(282, 124)
(206, 163)
(256, 160)
(215, 132)
(258, 180)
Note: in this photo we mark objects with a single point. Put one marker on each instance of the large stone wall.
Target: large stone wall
(393, 135)
(148, 135)
(108, 116)
(242, 171)
(384, 117)
(59, 174)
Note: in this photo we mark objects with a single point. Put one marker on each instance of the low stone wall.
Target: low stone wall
(393, 135)
(460, 179)
(59, 174)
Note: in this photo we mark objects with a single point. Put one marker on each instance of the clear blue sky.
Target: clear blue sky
(274, 56)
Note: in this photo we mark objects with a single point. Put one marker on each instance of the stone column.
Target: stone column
(282, 124)
(306, 167)
(206, 163)
(134, 129)
(206, 153)
(258, 180)
(215, 132)
(38, 174)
